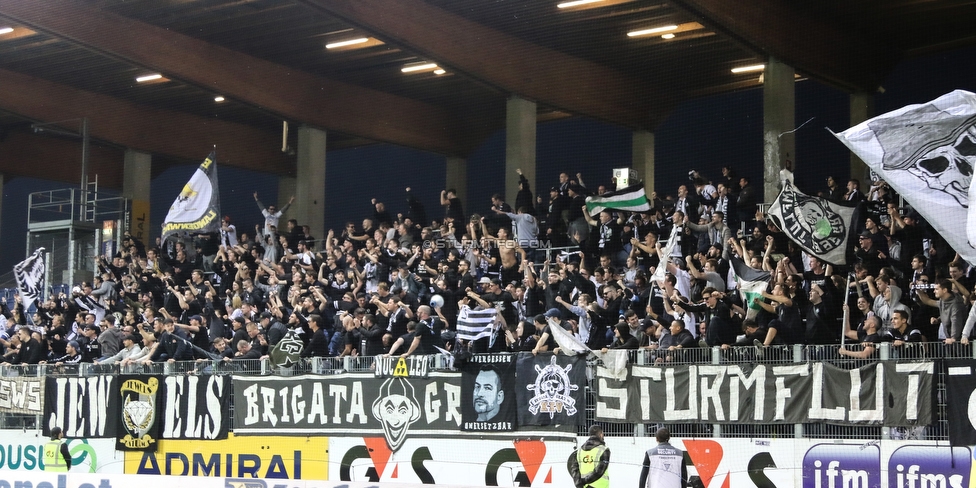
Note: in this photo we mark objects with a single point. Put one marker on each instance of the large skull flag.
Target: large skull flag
(927, 152)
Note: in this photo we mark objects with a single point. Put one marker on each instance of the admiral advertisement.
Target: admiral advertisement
(881, 393)
(291, 458)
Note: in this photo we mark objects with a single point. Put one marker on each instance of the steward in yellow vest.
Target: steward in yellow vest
(589, 464)
(56, 457)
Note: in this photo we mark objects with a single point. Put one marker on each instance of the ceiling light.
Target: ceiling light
(6, 30)
(410, 68)
(656, 30)
(668, 36)
(576, 3)
(439, 71)
(218, 98)
(349, 42)
(750, 68)
(143, 79)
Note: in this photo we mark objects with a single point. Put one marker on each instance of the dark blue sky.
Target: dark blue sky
(704, 134)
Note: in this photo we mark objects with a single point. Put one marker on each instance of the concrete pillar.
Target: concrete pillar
(2, 176)
(861, 108)
(779, 119)
(520, 125)
(642, 158)
(136, 186)
(309, 207)
(457, 178)
(286, 188)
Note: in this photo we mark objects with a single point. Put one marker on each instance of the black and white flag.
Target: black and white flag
(197, 207)
(960, 404)
(820, 227)
(926, 152)
(82, 407)
(475, 324)
(550, 389)
(30, 278)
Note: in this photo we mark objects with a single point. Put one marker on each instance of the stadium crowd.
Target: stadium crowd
(367, 289)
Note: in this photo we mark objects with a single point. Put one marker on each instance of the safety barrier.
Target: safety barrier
(714, 355)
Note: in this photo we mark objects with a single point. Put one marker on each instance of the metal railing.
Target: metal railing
(938, 430)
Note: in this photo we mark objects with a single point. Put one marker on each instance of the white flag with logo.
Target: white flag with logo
(30, 278)
(926, 152)
(820, 227)
(197, 207)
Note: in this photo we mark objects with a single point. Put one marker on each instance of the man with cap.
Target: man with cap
(495, 296)
(57, 458)
(90, 348)
(275, 329)
(555, 225)
(543, 324)
(72, 354)
(869, 256)
(664, 465)
(130, 348)
(588, 465)
(228, 233)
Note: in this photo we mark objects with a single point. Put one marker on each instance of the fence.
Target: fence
(939, 430)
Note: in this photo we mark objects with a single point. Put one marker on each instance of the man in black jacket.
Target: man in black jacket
(174, 345)
(319, 345)
(31, 351)
(720, 330)
(372, 336)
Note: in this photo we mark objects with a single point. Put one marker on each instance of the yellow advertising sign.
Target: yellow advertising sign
(241, 457)
(139, 220)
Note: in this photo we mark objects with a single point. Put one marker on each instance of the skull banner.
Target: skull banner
(926, 152)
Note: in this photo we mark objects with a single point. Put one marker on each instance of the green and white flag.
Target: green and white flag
(820, 227)
(752, 283)
(631, 199)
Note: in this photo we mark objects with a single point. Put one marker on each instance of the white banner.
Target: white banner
(22, 450)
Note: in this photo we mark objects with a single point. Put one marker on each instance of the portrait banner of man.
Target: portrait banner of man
(488, 393)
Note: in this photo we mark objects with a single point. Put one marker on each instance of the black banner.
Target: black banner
(82, 407)
(881, 393)
(488, 393)
(550, 389)
(139, 418)
(196, 407)
(394, 407)
(960, 385)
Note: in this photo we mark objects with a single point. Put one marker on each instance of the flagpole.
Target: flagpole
(847, 313)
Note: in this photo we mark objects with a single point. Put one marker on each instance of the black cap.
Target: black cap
(266, 315)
